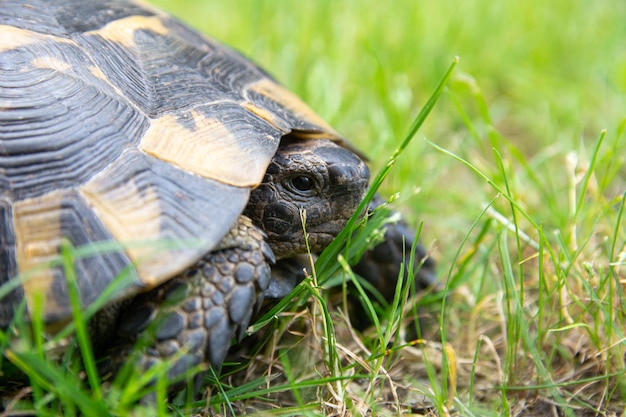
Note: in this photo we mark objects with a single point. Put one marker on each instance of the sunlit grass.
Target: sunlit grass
(518, 176)
(519, 189)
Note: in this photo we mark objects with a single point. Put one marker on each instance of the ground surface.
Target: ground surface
(522, 205)
(517, 177)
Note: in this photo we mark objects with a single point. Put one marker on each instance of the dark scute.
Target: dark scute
(96, 270)
(8, 266)
(191, 207)
(227, 66)
(67, 17)
(33, 15)
(58, 128)
(172, 73)
(295, 122)
(83, 228)
(81, 16)
(244, 71)
(123, 67)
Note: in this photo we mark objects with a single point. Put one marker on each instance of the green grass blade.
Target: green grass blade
(82, 333)
(326, 264)
(52, 380)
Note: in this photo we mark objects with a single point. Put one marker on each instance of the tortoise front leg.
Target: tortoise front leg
(194, 316)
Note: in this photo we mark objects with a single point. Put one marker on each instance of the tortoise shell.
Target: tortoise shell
(127, 134)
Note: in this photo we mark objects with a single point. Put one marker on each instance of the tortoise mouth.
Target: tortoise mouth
(318, 237)
(315, 242)
(318, 240)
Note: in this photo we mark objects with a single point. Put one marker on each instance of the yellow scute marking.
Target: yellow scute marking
(266, 115)
(209, 150)
(51, 63)
(123, 30)
(37, 225)
(130, 214)
(97, 72)
(12, 37)
(288, 100)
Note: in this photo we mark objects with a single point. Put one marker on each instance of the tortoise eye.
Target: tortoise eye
(302, 183)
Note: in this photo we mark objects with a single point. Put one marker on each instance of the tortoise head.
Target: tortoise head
(320, 177)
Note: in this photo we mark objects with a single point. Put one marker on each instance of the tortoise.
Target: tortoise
(172, 160)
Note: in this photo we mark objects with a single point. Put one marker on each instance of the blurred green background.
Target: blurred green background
(536, 80)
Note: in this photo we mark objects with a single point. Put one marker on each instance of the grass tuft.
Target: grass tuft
(519, 181)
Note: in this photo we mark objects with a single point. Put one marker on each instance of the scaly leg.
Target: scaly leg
(199, 311)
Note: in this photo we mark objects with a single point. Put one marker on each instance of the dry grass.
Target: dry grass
(521, 196)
